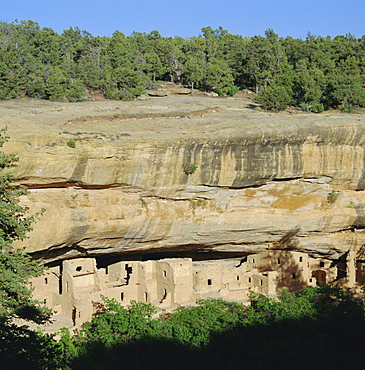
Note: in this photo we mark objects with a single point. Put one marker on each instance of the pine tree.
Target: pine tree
(16, 267)
(20, 347)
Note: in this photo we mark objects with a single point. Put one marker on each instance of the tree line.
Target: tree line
(314, 74)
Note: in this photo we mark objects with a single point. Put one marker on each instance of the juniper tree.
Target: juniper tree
(16, 267)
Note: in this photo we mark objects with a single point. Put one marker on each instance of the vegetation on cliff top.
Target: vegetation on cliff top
(313, 74)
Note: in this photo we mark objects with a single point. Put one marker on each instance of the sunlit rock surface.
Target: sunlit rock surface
(263, 180)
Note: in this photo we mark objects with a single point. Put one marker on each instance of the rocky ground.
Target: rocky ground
(165, 116)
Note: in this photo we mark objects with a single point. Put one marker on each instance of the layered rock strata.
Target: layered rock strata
(262, 180)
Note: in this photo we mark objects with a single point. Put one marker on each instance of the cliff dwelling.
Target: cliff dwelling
(180, 178)
(74, 288)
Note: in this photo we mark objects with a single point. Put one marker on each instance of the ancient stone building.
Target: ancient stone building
(74, 289)
(295, 269)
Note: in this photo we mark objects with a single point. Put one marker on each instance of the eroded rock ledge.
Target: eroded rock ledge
(262, 181)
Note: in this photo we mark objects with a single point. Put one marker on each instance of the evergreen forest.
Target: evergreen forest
(314, 74)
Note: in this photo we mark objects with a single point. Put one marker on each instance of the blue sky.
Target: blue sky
(186, 18)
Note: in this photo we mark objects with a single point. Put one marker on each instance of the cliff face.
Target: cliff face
(262, 180)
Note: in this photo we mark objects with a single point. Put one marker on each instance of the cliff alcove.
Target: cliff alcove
(112, 177)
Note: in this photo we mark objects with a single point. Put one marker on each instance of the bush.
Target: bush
(332, 196)
(348, 108)
(71, 144)
(118, 324)
(233, 90)
(75, 91)
(190, 168)
(273, 333)
(125, 84)
(275, 97)
(313, 106)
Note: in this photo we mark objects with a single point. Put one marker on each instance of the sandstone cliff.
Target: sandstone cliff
(263, 180)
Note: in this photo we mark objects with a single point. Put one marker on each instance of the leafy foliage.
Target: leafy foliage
(313, 74)
(19, 346)
(326, 322)
(71, 143)
(275, 97)
(22, 348)
(13, 223)
(118, 323)
(16, 267)
(190, 168)
(275, 333)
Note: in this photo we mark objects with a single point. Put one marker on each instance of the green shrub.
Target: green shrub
(75, 91)
(313, 106)
(332, 196)
(190, 168)
(143, 202)
(233, 90)
(71, 144)
(275, 97)
(213, 334)
(118, 324)
(348, 108)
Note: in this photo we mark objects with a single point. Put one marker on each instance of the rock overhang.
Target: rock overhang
(259, 176)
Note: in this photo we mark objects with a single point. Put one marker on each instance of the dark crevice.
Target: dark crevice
(73, 184)
(357, 227)
(277, 179)
(254, 186)
(55, 255)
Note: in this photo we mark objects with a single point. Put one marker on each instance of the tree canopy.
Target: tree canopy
(321, 327)
(314, 74)
(19, 346)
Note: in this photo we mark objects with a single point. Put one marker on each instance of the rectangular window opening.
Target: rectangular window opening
(164, 273)
(321, 264)
(45, 280)
(237, 277)
(146, 296)
(294, 276)
(209, 281)
(249, 280)
(122, 296)
(44, 301)
(278, 261)
(300, 259)
(260, 282)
